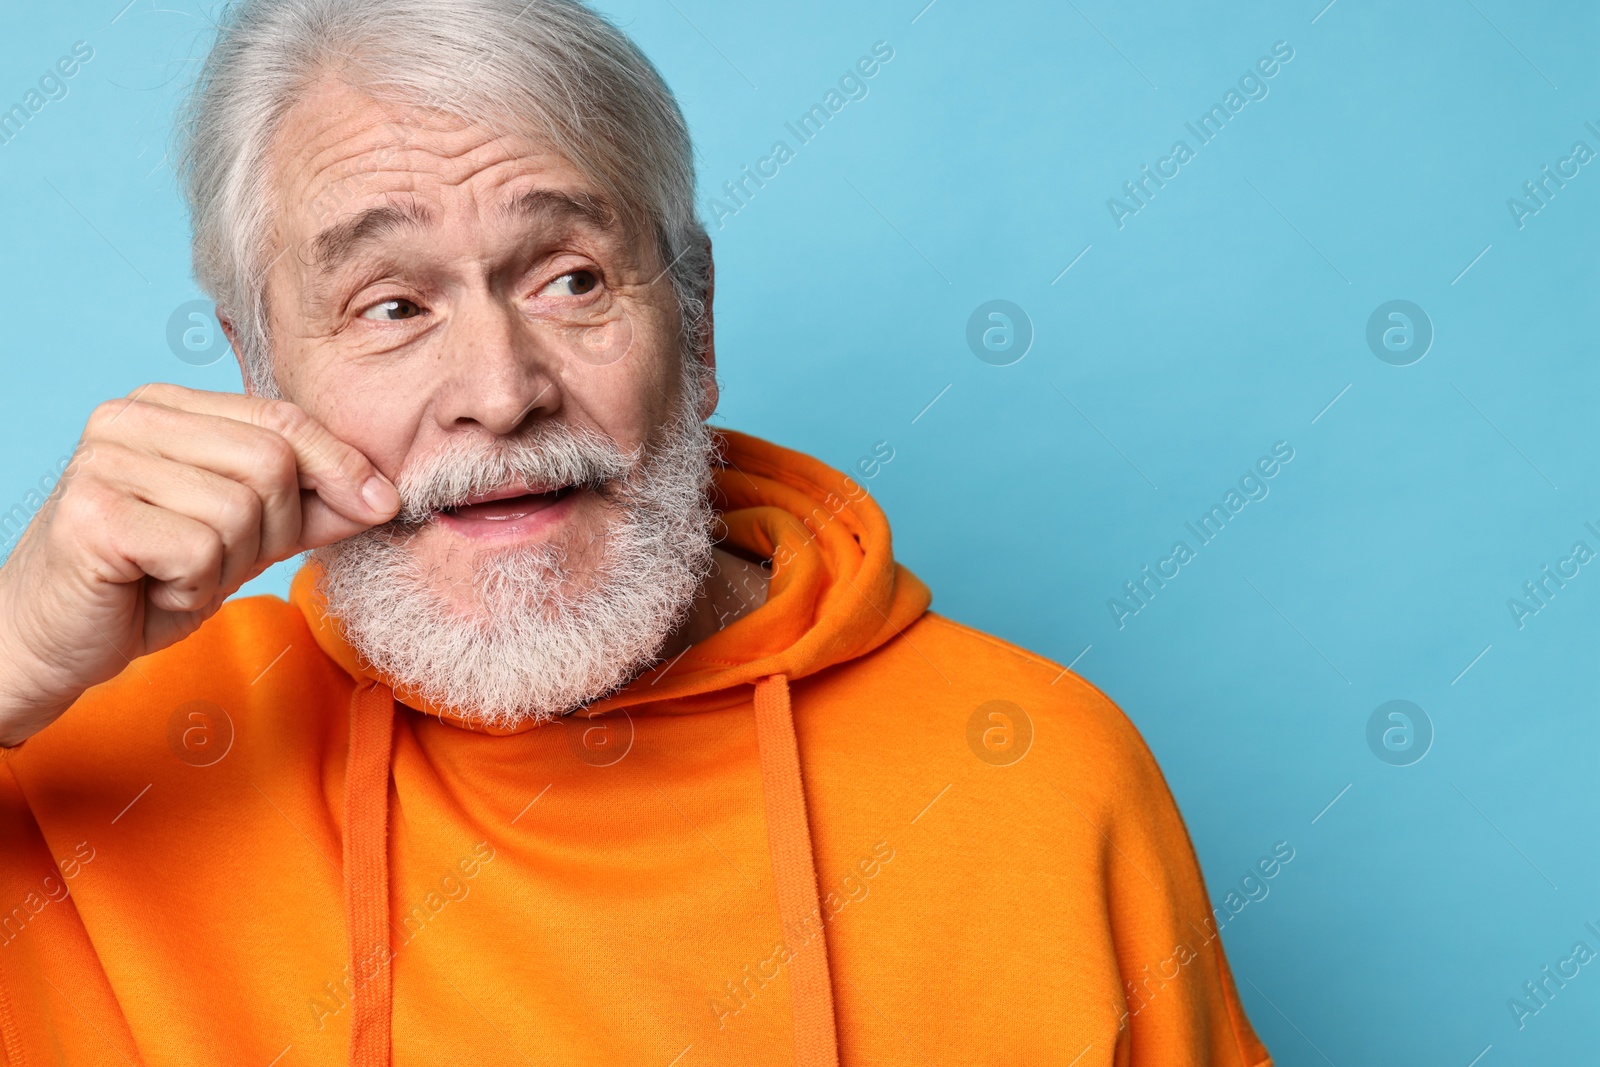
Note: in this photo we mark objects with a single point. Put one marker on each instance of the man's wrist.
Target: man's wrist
(22, 712)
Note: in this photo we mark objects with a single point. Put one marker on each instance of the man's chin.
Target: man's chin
(506, 584)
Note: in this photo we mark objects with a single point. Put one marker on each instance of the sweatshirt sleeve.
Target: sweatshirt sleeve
(54, 993)
(1180, 1004)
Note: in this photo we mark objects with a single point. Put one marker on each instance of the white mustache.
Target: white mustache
(552, 457)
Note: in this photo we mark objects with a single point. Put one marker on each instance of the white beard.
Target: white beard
(529, 647)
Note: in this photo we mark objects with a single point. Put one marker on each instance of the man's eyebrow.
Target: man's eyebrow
(555, 204)
(335, 244)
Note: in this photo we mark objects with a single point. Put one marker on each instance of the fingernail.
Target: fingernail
(380, 495)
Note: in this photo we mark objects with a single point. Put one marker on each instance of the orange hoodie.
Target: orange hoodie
(840, 830)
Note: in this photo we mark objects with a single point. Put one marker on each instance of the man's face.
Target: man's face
(439, 288)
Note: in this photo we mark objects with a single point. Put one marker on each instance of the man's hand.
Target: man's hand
(175, 499)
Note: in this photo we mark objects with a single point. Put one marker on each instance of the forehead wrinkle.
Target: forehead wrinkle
(317, 151)
(339, 147)
(312, 147)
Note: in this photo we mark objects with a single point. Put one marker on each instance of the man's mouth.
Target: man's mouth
(511, 511)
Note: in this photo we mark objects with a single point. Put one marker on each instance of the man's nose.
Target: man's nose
(501, 370)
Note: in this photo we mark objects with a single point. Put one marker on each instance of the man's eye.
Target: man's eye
(574, 283)
(392, 311)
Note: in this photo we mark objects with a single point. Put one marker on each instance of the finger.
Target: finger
(339, 473)
(293, 520)
(252, 456)
(180, 557)
(230, 508)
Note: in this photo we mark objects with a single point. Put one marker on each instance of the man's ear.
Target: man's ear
(708, 335)
(233, 343)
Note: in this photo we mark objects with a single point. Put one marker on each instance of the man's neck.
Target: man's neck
(734, 589)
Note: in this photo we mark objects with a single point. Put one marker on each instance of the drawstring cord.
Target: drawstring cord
(366, 872)
(794, 870)
(366, 865)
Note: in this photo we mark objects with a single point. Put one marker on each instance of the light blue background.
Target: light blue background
(1224, 317)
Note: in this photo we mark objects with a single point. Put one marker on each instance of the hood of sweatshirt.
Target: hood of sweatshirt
(835, 594)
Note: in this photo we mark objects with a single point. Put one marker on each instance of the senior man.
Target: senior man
(588, 735)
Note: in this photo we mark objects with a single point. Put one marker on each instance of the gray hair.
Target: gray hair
(552, 69)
